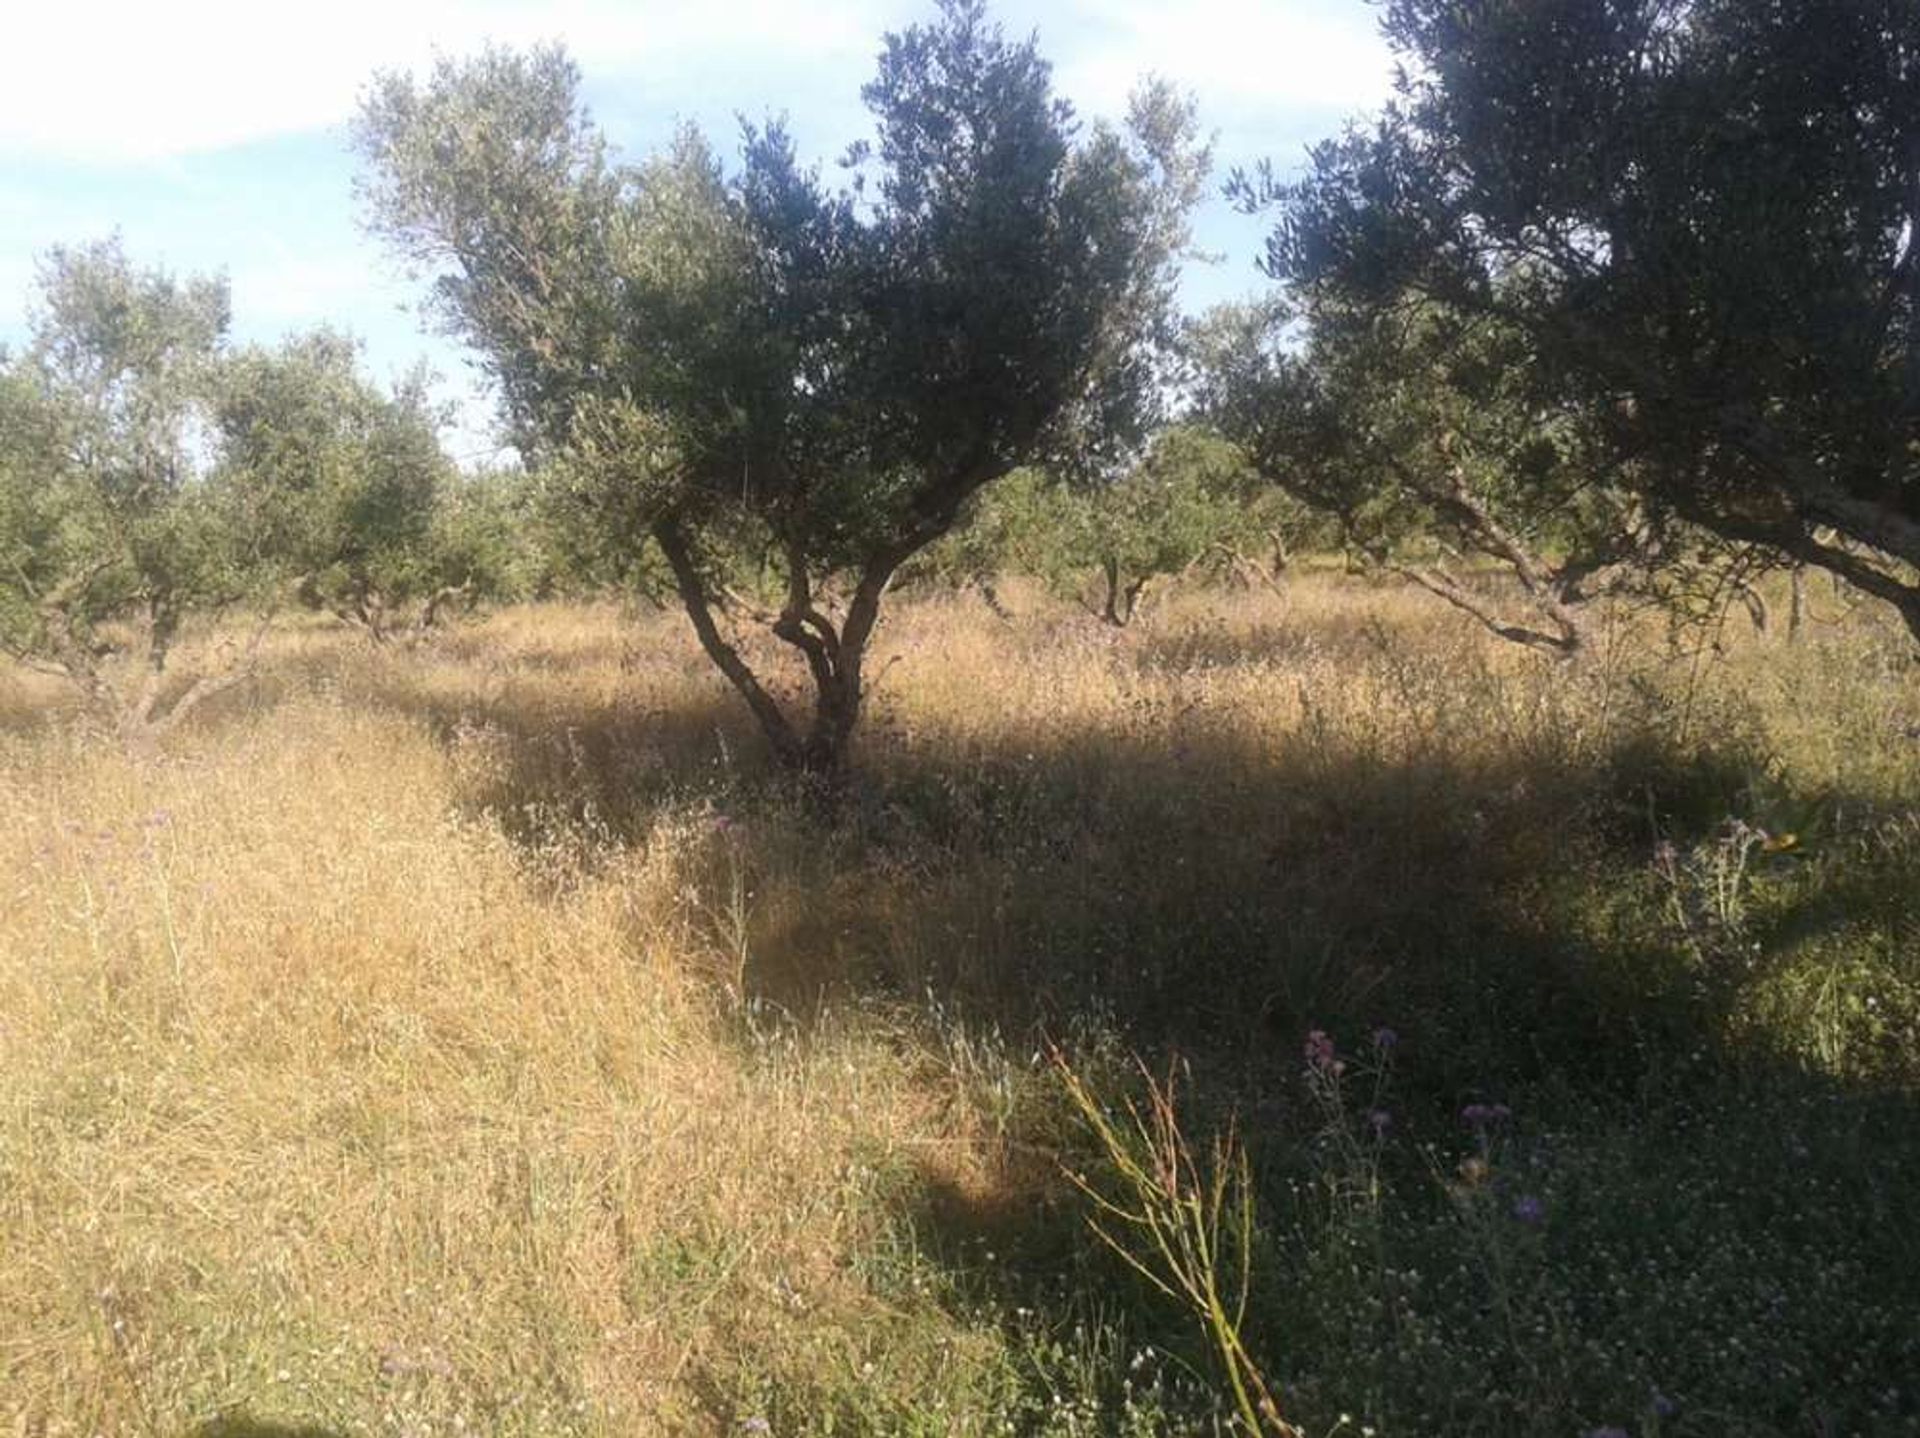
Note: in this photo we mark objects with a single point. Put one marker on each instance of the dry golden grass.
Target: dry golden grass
(376, 1060)
(317, 1100)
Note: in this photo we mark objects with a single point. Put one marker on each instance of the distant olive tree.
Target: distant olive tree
(1423, 433)
(1191, 504)
(487, 544)
(741, 362)
(115, 527)
(1024, 524)
(1445, 457)
(352, 493)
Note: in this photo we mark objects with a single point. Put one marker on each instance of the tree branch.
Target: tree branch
(1445, 586)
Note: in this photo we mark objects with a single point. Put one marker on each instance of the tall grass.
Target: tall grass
(479, 1039)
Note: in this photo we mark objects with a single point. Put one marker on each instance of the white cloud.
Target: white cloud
(137, 80)
(155, 83)
(1239, 56)
(140, 80)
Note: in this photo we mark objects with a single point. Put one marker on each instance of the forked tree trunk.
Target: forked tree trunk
(1556, 594)
(145, 721)
(142, 717)
(383, 621)
(835, 653)
(1244, 570)
(145, 715)
(1561, 630)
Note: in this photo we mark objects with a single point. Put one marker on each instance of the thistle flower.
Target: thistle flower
(1321, 1054)
(1319, 1048)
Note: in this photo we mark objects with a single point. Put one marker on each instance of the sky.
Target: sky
(212, 134)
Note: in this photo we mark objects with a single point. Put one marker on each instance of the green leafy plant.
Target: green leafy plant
(1695, 221)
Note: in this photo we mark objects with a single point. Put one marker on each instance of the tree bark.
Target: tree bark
(1122, 600)
(699, 606)
(1756, 605)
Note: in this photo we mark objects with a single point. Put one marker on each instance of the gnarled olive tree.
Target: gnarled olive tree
(1702, 220)
(740, 361)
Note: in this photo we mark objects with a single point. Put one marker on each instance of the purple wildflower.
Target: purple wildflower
(1380, 1121)
(1663, 1406)
(1608, 1433)
(755, 1425)
(1385, 1039)
(1529, 1209)
(724, 824)
(1485, 1115)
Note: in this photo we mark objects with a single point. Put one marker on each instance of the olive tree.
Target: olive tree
(726, 361)
(1026, 524)
(352, 493)
(1701, 219)
(1192, 502)
(113, 529)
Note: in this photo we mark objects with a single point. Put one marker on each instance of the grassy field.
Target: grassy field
(476, 1039)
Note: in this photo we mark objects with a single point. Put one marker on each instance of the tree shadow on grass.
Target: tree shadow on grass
(1211, 892)
(1191, 884)
(1220, 898)
(1757, 1217)
(602, 769)
(1217, 895)
(241, 1425)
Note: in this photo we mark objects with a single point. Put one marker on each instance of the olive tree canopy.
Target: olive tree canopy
(1701, 217)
